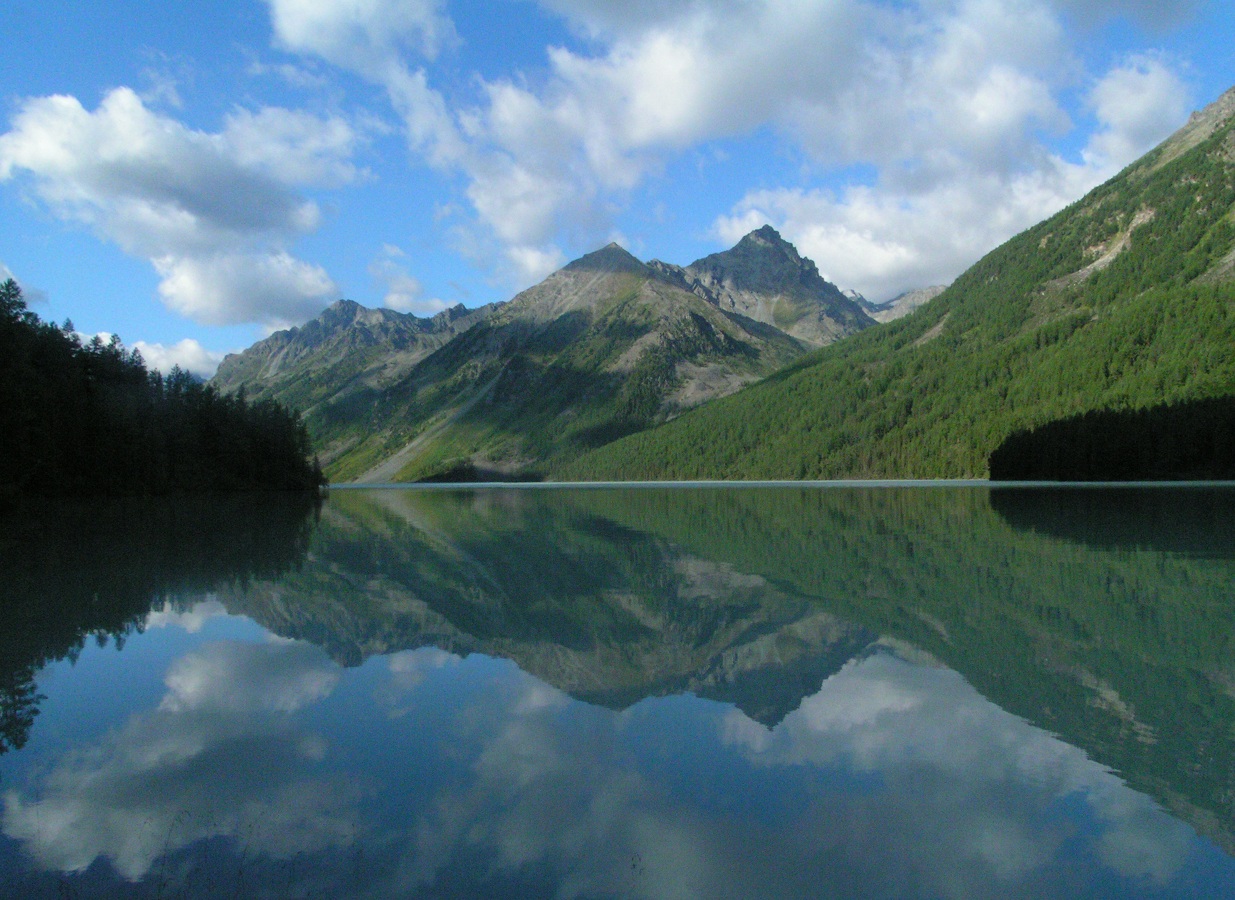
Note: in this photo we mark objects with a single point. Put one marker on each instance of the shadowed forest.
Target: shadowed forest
(87, 418)
(1170, 442)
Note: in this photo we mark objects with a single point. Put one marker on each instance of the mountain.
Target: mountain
(899, 306)
(766, 279)
(348, 348)
(604, 347)
(1123, 300)
(601, 348)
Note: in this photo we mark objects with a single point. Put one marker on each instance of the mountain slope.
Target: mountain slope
(899, 306)
(1125, 299)
(765, 278)
(603, 347)
(348, 348)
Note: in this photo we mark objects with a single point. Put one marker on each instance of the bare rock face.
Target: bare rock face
(903, 304)
(345, 333)
(899, 306)
(765, 278)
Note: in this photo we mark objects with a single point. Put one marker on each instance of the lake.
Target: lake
(711, 691)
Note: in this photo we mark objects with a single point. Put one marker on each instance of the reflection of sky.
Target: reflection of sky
(894, 779)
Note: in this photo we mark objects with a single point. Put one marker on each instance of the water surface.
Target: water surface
(877, 691)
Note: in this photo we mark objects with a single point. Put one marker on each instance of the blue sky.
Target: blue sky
(193, 176)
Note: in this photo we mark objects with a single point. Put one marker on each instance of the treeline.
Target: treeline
(1190, 440)
(88, 418)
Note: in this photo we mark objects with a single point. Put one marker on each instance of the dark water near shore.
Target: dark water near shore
(952, 691)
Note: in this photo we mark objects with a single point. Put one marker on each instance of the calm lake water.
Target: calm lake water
(881, 691)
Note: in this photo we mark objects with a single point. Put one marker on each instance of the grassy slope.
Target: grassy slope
(1012, 344)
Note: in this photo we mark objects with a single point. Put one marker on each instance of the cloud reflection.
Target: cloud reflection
(894, 779)
(192, 619)
(219, 757)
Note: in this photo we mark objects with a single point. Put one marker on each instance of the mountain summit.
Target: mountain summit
(347, 348)
(765, 278)
(603, 347)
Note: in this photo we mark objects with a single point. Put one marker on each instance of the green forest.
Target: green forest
(87, 418)
(1125, 300)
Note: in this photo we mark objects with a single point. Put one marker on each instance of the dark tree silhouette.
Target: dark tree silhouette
(90, 419)
(1193, 440)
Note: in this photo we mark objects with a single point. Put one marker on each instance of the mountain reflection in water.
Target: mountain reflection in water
(888, 691)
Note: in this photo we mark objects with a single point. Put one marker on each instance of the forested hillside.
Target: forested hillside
(88, 418)
(1124, 300)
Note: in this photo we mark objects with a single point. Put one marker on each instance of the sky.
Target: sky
(195, 176)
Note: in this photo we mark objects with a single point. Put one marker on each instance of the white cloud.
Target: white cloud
(952, 103)
(363, 35)
(369, 37)
(273, 288)
(236, 677)
(191, 619)
(1137, 104)
(401, 291)
(292, 146)
(196, 204)
(881, 241)
(188, 354)
(887, 238)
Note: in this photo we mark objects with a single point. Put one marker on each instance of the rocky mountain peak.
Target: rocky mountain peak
(762, 260)
(767, 236)
(612, 257)
(764, 278)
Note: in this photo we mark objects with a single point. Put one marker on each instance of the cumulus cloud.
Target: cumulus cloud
(951, 103)
(188, 354)
(885, 238)
(212, 211)
(881, 241)
(274, 288)
(364, 35)
(401, 291)
(1137, 105)
(234, 677)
